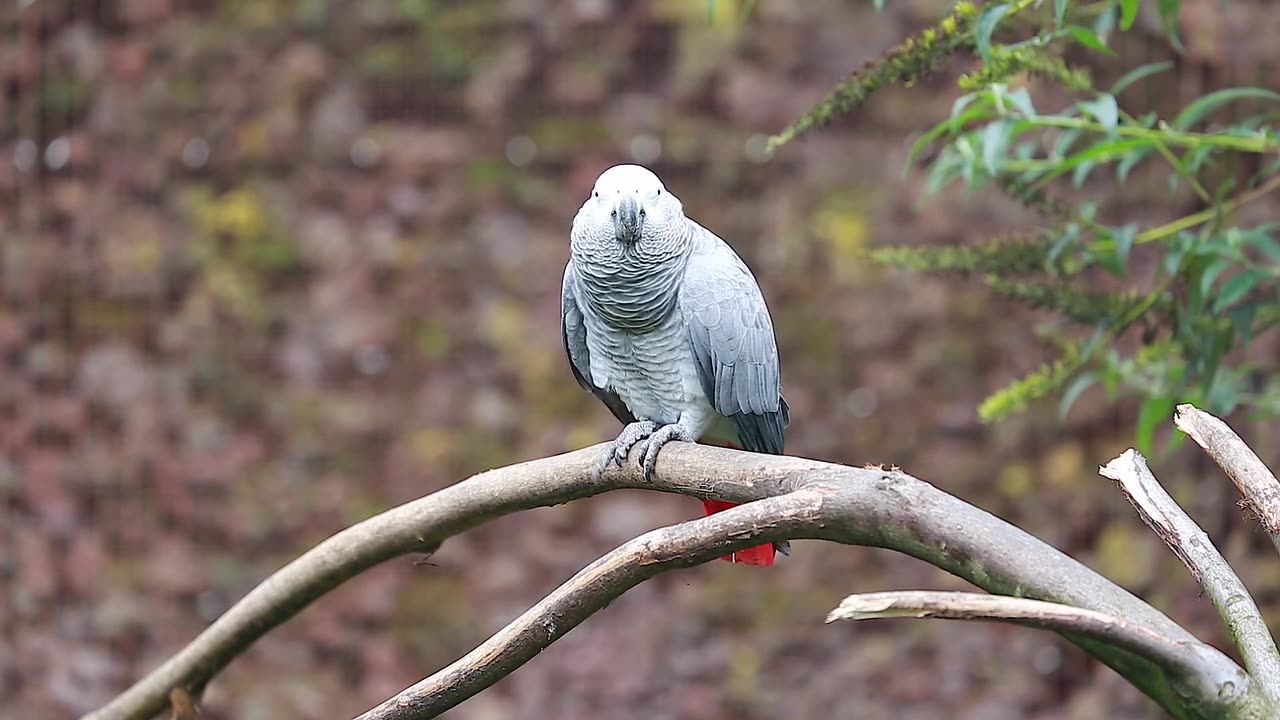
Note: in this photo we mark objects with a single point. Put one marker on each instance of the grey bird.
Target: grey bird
(666, 325)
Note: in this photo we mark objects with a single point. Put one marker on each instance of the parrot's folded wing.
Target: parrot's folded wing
(731, 337)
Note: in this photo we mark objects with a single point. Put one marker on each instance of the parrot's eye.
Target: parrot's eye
(596, 193)
(641, 213)
(613, 214)
(659, 192)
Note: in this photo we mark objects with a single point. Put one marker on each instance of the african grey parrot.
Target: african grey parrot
(664, 323)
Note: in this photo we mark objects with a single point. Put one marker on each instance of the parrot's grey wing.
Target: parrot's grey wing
(733, 346)
(573, 330)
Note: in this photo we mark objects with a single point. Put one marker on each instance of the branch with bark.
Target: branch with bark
(1195, 665)
(786, 498)
(1251, 476)
(1192, 546)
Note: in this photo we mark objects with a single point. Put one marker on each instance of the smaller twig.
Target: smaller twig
(1192, 546)
(1256, 483)
(1178, 166)
(183, 704)
(594, 587)
(1259, 143)
(1187, 222)
(1192, 662)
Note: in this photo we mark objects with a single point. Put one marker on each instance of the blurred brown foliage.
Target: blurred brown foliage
(270, 267)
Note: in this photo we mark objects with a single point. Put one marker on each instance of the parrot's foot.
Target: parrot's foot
(660, 437)
(621, 447)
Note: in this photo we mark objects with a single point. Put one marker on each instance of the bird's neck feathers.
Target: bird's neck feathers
(633, 287)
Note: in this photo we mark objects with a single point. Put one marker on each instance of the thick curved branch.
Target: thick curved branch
(861, 507)
(1195, 664)
(1260, 489)
(1209, 683)
(1194, 548)
(594, 587)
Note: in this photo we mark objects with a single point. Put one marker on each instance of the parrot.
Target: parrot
(666, 325)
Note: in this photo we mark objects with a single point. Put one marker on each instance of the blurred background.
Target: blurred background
(271, 267)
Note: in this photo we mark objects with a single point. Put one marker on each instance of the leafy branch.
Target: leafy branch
(1208, 284)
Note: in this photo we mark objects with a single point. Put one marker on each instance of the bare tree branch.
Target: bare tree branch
(1195, 664)
(596, 586)
(1192, 545)
(860, 506)
(1198, 673)
(1256, 483)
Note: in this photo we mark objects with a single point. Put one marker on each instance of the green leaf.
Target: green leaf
(1070, 235)
(963, 102)
(1116, 257)
(1065, 141)
(1059, 12)
(1081, 173)
(1173, 258)
(1087, 38)
(1128, 13)
(1211, 273)
(1168, 10)
(1103, 109)
(1242, 319)
(1210, 382)
(1195, 159)
(959, 118)
(1111, 380)
(1106, 20)
(1102, 152)
(1139, 73)
(1194, 112)
(1237, 287)
(995, 141)
(1261, 239)
(1100, 333)
(1073, 393)
(1129, 163)
(1020, 99)
(944, 169)
(986, 25)
(1088, 210)
(1218, 245)
(1154, 412)
(1124, 244)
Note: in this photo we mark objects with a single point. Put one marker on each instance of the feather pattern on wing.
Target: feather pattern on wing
(732, 341)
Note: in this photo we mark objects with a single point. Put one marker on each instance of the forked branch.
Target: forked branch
(854, 506)
(1194, 664)
(1192, 546)
(594, 587)
(1251, 476)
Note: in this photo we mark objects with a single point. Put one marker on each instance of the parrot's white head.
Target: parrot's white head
(629, 247)
(631, 206)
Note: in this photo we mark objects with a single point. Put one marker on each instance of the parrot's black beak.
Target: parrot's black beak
(628, 220)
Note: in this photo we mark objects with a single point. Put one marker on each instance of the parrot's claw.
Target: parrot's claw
(617, 451)
(660, 437)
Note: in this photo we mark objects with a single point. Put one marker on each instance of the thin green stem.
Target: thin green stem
(1194, 219)
(1259, 144)
(914, 58)
(1176, 162)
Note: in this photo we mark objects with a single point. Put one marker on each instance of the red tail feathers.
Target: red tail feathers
(758, 555)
